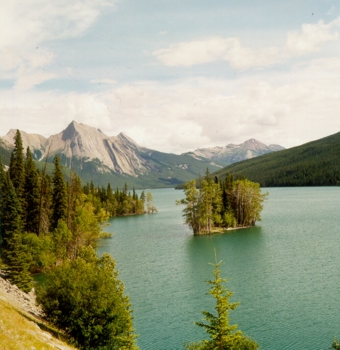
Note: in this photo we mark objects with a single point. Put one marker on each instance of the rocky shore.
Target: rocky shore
(23, 301)
(18, 331)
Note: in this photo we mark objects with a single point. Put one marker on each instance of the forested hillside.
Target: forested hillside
(315, 163)
(52, 226)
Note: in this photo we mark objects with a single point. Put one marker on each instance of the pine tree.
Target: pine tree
(59, 202)
(74, 193)
(32, 194)
(44, 203)
(218, 326)
(223, 335)
(2, 179)
(18, 260)
(191, 212)
(17, 171)
(11, 209)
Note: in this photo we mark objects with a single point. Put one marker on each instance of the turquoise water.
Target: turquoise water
(284, 271)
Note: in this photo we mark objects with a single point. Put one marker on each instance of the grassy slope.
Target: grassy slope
(315, 163)
(20, 331)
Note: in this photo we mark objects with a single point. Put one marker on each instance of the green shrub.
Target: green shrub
(85, 298)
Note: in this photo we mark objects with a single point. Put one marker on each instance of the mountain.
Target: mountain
(316, 163)
(231, 153)
(116, 159)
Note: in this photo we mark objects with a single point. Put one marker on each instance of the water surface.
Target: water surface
(284, 271)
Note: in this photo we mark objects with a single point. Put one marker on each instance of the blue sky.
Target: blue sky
(173, 75)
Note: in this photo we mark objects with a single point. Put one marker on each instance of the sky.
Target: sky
(173, 75)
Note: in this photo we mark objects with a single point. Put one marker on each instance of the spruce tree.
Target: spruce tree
(59, 202)
(2, 179)
(17, 171)
(18, 261)
(32, 194)
(11, 209)
(45, 198)
(223, 335)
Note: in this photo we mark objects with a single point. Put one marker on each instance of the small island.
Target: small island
(213, 205)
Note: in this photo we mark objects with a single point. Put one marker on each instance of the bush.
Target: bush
(85, 298)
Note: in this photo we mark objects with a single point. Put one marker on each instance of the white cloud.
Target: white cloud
(312, 36)
(213, 49)
(27, 25)
(217, 48)
(284, 108)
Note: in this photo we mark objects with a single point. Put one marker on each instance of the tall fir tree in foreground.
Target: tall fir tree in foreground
(32, 192)
(11, 209)
(223, 335)
(14, 252)
(2, 179)
(17, 171)
(59, 200)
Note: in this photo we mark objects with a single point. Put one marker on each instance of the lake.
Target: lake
(284, 271)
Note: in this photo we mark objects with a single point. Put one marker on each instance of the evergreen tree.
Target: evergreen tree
(32, 195)
(2, 179)
(59, 202)
(191, 211)
(44, 203)
(143, 198)
(17, 171)
(18, 261)
(335, 345)
(223, 335)
(11, 209)
(14, 252)
(73, 196)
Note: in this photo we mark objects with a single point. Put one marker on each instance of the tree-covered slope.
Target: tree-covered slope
(315, 163)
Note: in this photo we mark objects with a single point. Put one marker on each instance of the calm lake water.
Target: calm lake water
(284, 271)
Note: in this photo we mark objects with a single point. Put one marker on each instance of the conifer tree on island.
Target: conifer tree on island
(216, 206)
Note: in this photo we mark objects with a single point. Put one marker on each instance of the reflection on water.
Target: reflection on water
(284, 271)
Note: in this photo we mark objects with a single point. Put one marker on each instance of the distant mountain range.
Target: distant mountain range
(231, 153)
(118, 159)
(315, 163)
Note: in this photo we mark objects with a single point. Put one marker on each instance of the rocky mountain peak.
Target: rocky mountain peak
(253, 144)
(34, 141)
(233, 153)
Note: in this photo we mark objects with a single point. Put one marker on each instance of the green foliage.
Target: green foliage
(18, 261)
(32, 198)
(221, 204)
(11, 209)
(191, 210)
(315, 163)
(223, 335)
(41, 250)
(58, 196)
(17, 170)
(85, 297)
(121, 202)
(335, 345)
(54, 227)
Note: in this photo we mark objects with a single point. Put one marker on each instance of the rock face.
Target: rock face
(97, 157)
(25, 301)
(232, 153)
(85, 143)
(118, 159)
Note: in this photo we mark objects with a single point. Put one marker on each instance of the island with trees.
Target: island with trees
(215, 205)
